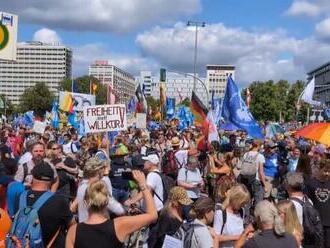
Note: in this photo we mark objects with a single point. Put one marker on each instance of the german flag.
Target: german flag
(198, 109)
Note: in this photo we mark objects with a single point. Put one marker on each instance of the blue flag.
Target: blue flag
(170, 108)
(235, 111)
(55, 117)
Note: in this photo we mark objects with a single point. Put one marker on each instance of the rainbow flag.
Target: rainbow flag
(198, 109)
(67, 104)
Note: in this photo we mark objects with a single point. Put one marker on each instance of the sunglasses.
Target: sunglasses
(56, 148)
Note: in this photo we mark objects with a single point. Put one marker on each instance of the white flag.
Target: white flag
(307, 94)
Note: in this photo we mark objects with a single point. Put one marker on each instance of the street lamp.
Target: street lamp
(196, 24)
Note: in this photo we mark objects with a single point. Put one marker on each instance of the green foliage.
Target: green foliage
(153, 103)
(82, 85)
(186, 102)
(6, 106)
(37, 98)
(270, 100)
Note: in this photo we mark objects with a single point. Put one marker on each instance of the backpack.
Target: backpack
(26, 228)
(249, 167)
(313, 230)
(186, 233)
(168, 184)
(170, 164)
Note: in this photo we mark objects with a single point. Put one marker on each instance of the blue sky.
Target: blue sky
(273, 39)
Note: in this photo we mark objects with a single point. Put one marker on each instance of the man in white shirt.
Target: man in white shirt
(153, 181)
(69, 147)
(294, 183)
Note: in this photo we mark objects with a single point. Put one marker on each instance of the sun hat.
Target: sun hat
(180, 195)
(175, 141)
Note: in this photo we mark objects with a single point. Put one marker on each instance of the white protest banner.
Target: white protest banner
(39, 127)
(141, 120)
(104, 118)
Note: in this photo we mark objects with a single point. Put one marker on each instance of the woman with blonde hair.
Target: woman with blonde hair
(98, 230)
(228, 220)
(287, 212)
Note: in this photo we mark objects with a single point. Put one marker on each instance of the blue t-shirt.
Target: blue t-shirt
(14, 191)
(270, 167)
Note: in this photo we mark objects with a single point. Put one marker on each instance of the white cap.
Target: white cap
(152, 158)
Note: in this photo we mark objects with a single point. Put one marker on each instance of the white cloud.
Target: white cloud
(85, 55)
(257, 56)
(101, 15)
(302, 8)
(47, 36)
(323, 29)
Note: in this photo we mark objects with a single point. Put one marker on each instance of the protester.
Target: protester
(170, 218)
(190, 178)
(272, 231)
(229, 218)
(318, 190)
(100, 231)
(54, 215)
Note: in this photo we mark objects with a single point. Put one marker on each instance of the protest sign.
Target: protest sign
(141, 120)
(69, 101)
(104, 118)
(39, 127)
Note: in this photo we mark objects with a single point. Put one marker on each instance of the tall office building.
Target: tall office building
(322, 83)
(180, 87)
(121, 82)
(216, 78)
(146, 80)
(35, 62)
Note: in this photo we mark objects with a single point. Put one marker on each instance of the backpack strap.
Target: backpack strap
(224, 220)
(162, 200)
(42, 199)
(25, 171)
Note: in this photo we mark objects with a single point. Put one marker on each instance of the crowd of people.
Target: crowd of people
(162, 188)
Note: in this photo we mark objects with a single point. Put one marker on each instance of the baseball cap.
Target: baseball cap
(152, 158)
(43, 172)
(180, 195)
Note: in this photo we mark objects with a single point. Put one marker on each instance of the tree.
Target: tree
(186, 102)
(82, 85)
(291, 104)
(6, 106)
(37, 98)
(153, 103)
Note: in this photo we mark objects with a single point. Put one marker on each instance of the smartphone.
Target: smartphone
(127, 175)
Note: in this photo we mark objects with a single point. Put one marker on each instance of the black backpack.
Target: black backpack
(313, 230)
(168, 184)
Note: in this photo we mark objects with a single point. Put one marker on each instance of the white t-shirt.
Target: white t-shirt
(26, 157)
(181, 158)
(202, 235)
(233, 226)
(69, 148)
(154, 181)
(192, 177)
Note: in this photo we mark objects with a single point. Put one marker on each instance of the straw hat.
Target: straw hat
(175, 141)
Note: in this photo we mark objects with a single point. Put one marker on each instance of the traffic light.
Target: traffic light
(162, 75)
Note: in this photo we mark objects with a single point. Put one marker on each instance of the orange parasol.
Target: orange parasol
(319, 132)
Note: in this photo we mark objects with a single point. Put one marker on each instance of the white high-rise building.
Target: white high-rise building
(35, 62)
(122, 83)
(216, 78)
(146, 80)
(180, 87)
